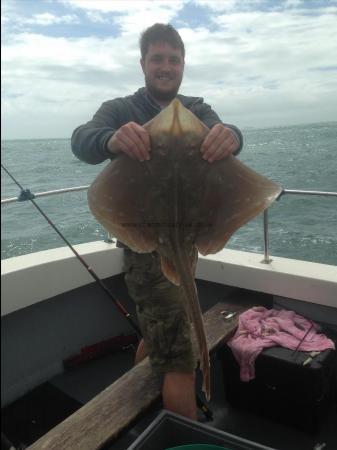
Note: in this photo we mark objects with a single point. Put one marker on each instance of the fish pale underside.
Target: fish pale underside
(178, 204)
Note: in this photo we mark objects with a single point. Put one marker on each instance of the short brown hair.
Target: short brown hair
(160, 32)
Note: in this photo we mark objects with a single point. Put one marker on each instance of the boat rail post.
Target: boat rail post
(109, 239)
(266, 259)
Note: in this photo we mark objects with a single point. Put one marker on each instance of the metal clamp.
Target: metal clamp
(227, 315)
(312, 355)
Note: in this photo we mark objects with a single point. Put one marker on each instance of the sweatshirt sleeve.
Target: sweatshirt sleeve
(210, 118)
(89, 141)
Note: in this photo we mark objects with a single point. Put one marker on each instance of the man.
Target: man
(117, 127)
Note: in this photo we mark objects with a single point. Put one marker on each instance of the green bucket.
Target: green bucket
(197, 447)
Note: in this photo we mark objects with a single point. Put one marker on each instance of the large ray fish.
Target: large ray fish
(177, 204)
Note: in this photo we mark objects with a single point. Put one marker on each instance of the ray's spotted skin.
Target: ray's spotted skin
(177, 204)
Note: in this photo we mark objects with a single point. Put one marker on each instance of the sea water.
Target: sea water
(296, 157)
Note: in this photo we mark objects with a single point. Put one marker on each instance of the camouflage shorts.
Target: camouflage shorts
(161, 313)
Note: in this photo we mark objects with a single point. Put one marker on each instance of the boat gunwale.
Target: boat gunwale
(300, 280)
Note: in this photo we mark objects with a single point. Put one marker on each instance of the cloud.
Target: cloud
(130, 16)
(262, 65)
(13, 16)
(46, 19)
(60, 82)
(257, 64)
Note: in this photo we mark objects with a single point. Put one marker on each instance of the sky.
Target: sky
(258, 63)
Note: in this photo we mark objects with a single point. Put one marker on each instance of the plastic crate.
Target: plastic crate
(171, 430)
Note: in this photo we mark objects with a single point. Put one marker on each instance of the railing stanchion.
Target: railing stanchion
(109, 239)
(266, 259)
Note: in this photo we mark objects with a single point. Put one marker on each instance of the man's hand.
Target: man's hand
(219, 143)
(131, 139)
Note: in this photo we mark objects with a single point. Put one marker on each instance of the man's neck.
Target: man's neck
(161, 103)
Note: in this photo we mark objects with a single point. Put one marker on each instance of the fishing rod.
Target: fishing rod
(27, 195)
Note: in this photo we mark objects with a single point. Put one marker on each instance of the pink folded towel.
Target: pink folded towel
(260, 328)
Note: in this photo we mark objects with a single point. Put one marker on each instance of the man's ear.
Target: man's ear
(142, 63)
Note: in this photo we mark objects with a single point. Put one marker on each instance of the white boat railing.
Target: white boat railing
(21, 198)
(266, 257)
(26, 195)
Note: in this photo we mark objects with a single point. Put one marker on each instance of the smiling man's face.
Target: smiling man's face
(163, 68)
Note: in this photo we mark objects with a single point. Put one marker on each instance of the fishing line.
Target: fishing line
(27, 195)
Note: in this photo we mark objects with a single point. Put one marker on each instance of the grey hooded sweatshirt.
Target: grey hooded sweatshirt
(89, 141)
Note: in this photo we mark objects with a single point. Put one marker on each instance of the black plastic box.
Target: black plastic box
(283, 388)
(171, 430)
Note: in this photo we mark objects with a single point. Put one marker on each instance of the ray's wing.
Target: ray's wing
(233, 195)
(121, 200)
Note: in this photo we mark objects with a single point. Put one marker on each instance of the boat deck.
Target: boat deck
(244, 424)
(28, 419)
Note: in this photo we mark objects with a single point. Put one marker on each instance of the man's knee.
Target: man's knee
(180, 378)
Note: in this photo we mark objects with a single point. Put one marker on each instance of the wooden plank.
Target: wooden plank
(106, 415)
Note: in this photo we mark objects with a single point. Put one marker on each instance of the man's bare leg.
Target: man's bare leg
(178, 389)
(179, 394)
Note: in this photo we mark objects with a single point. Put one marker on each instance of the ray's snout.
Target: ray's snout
(177, 112)
(176, 120)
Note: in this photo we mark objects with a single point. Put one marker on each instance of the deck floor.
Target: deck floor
(82, 383)
(244, 424)
(77, 386)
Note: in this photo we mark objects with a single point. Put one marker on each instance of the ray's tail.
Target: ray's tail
(184, 268)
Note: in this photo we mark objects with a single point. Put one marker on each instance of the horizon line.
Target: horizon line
(244, 128)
